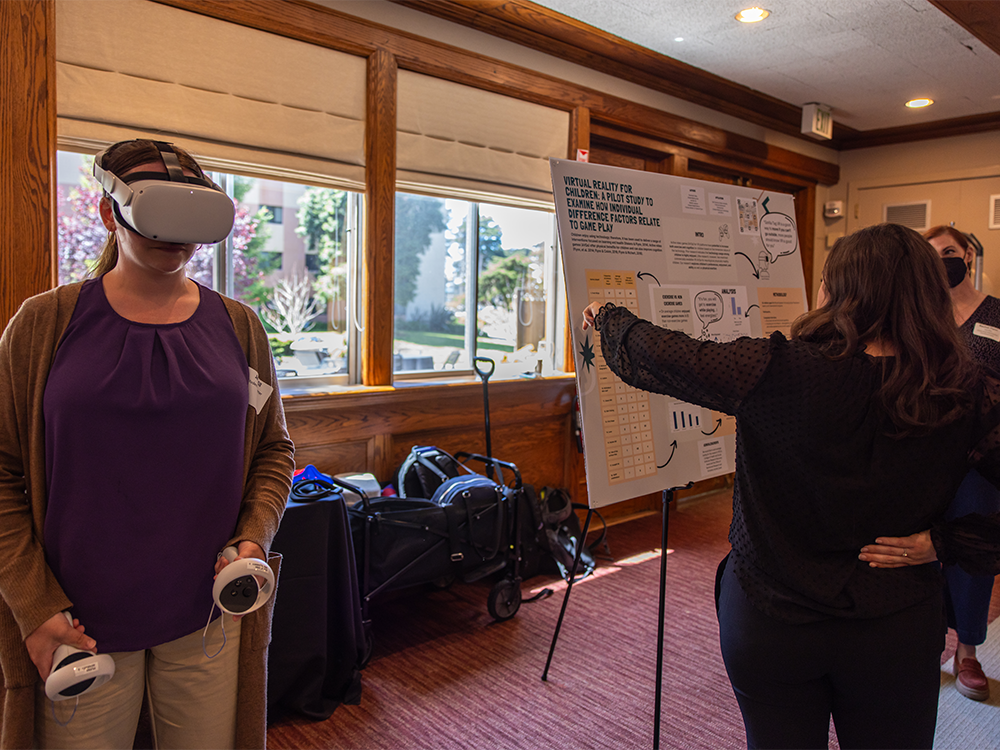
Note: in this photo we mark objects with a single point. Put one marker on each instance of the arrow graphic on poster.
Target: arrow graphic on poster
(747, 313)
(756, 273)
(673, 448)
(640, 274)
(718, 424)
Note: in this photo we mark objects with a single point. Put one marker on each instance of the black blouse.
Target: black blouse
(818, 471)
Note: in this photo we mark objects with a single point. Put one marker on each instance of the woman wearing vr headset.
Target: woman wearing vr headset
(862, 422)
(141, 432)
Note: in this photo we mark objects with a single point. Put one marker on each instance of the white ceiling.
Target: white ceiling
(864, 58)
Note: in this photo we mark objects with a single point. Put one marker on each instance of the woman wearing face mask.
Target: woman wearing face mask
(968, 596)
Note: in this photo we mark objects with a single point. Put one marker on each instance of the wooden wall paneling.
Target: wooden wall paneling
(601, 153)
(380, 219)
(380, 455)
(536, 449)
(27, 152)
(528, 422)
(336, 458)
(319, 25)
(675, 164)
(427, 407)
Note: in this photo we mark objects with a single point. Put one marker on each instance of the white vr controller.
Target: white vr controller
(75, 671)
(237, 589)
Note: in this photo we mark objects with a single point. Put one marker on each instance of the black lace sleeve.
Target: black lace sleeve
(972, 541)
(659, 360)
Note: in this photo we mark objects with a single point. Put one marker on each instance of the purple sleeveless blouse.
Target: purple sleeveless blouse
(144, 432)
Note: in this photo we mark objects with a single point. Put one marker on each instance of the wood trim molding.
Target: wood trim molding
(539, 28)
(663, 148)
(534, 26)
(579, 138)
(579, 131)
(316, 24)
(981, 19)
(924, 131)
(380, 219)
(27, 151)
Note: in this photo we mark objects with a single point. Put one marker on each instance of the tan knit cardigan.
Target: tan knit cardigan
(29, 592)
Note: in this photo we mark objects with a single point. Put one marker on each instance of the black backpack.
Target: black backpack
(549, 543)
(424, 470)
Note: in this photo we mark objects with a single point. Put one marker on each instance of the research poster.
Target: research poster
(715, 261)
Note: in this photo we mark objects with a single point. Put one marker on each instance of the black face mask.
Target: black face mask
(957, 271)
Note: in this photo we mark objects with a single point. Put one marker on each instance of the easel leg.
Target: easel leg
(569, 587)
(667, 497)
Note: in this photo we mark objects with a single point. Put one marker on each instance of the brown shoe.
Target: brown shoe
(970, 680)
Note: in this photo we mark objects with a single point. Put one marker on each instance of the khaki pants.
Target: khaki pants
(192, 699)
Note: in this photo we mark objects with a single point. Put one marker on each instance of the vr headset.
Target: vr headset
(170, 207)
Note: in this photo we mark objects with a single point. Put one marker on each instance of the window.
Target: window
(298, 275)
(472, 280)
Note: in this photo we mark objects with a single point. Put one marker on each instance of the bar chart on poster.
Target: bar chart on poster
(712, 260)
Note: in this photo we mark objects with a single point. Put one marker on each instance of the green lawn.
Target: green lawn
(453, 340)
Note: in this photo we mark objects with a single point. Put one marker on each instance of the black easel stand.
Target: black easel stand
(569, 588)
(668, 496)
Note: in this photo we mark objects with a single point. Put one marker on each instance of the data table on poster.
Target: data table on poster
(628, 429)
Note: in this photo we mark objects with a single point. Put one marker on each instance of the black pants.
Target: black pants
(878, 678)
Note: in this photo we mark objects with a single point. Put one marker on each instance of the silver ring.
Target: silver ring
(904, 553)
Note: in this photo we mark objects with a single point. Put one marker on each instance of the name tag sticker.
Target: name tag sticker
(987, 332)
(260, 391)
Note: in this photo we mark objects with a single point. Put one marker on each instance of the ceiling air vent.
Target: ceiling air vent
(995, 212)
(912, 215)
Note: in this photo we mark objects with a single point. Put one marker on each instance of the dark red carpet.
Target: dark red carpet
(444, 675)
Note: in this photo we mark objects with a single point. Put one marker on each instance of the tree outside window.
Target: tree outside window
(435, 326)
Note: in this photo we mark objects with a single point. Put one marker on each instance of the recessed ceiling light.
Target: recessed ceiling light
(918, 103)
(678, 39)
(752, 15)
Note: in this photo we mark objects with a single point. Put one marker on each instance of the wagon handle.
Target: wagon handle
(485, 375)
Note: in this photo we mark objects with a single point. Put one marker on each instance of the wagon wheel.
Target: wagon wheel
(505, 600)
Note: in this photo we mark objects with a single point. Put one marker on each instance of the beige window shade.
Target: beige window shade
(455, 138)
(133, 68)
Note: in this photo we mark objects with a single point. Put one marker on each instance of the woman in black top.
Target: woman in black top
(859, 425)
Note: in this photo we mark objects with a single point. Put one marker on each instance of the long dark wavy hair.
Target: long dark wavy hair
(121, 158)
(886, 284)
